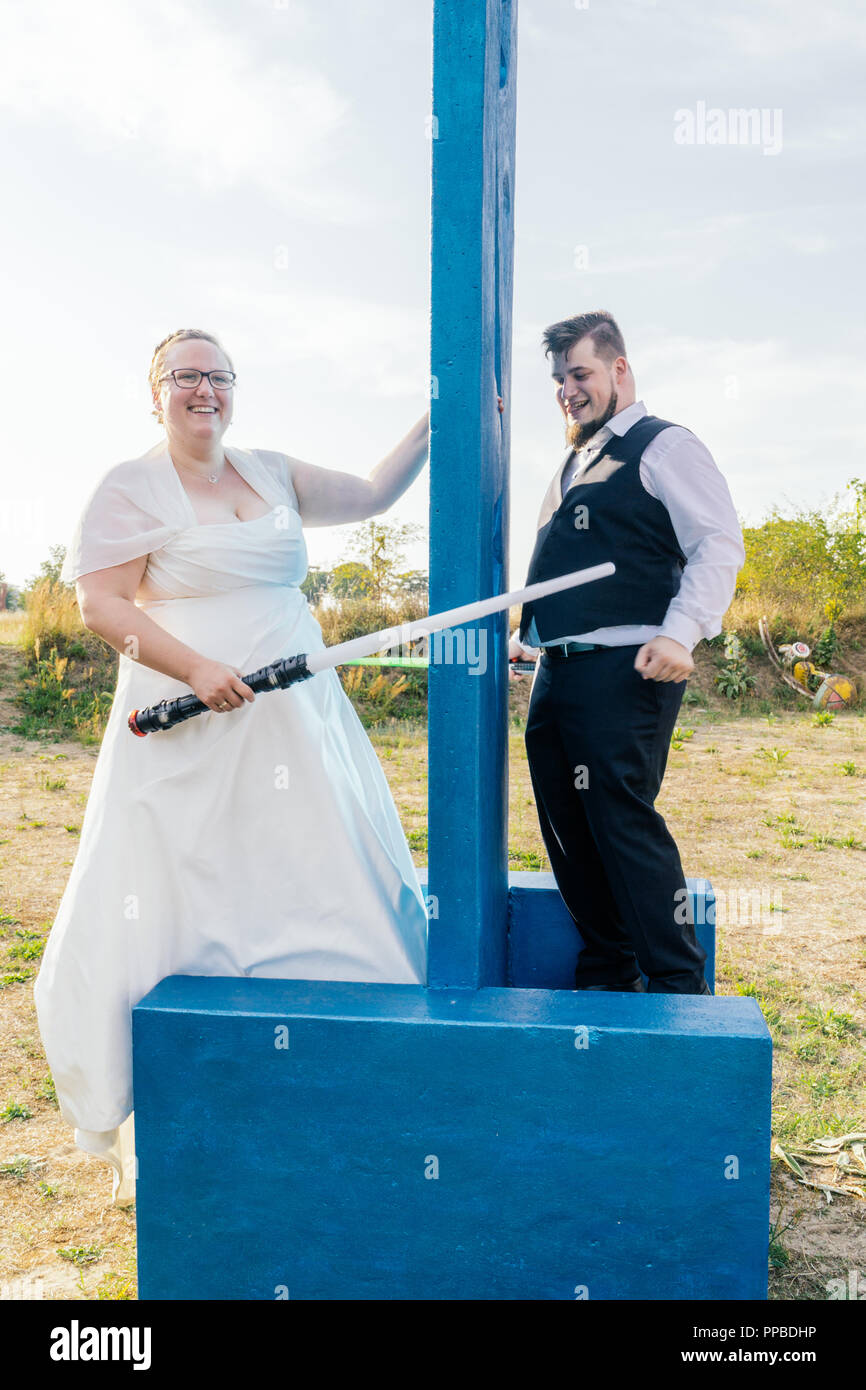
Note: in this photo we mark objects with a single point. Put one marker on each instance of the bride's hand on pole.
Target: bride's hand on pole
(218, 686)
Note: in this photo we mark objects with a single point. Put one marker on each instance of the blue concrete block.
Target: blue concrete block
(448, 1144)
(543, 941)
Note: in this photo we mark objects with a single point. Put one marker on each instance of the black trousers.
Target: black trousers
(597, 738)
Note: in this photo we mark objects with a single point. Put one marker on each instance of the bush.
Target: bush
(54, 705)
(354, 617)
(53, 619)
(733, 678)
(816, 553)
(381, 693)
(70, 672)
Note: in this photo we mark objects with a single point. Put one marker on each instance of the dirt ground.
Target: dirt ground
(767, 805)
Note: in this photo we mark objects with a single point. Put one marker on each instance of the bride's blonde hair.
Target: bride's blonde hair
(160, 351)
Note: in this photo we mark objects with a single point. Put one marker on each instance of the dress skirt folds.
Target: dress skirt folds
(263, 841)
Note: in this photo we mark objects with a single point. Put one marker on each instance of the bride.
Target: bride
(259, 840)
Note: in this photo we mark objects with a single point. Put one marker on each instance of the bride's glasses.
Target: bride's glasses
(188, 377)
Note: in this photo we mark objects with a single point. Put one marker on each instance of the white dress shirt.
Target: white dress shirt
(678, 470)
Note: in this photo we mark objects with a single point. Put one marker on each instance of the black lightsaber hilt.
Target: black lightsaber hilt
(278, 676)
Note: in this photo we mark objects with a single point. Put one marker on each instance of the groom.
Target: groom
(615, 657)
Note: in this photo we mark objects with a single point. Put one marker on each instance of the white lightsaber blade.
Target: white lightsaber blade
(287, 671)
(405, 633)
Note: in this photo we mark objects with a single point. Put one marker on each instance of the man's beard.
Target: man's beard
(578, 433)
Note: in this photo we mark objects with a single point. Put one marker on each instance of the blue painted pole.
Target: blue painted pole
(473, 129)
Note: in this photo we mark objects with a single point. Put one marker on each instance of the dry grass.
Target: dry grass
(12, 627)
(799, 611)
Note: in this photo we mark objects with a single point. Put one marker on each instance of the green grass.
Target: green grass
(829, 1023)
(29, 945)
(21, 1167)
(82, 1254)
(15, 977)
(777, 1254)
(116, 1286)
(48, 1091)
(791, 1122)
(528, 859)
(15, 1111)
(817, 1060)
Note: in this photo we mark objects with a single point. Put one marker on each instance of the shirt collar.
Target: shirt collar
(616, 425)
(624, 419)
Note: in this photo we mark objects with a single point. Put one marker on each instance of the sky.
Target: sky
(261, 169)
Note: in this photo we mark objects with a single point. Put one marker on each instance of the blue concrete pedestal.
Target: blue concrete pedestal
(543, 943)
(322, 1140)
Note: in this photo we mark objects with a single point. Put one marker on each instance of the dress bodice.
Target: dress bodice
(141, 508)
(199, 560)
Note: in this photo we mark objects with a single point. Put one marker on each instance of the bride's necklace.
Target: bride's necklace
(211, 477)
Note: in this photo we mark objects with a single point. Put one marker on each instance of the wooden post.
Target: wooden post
(473, 129)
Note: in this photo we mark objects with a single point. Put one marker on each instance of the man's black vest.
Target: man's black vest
(607, 515)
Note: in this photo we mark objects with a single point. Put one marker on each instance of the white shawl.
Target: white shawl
(139, 505)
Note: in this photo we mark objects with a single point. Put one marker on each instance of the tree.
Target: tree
(412, 584)
(381, 545)
(315, 585)
(50, 568)
(351, 580)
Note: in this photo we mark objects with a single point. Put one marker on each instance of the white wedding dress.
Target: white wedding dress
(259, 842)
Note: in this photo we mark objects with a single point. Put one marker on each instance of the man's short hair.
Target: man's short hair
(600, 326)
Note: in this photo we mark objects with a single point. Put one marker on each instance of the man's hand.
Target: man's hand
(663, 659)
(517, 652)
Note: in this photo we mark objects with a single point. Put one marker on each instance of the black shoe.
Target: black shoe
(635, 986)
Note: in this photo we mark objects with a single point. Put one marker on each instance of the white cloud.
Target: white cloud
(776, 28)
(383, 346)
(777, 420)
(811, 244)
(694, 247)
(197, 100)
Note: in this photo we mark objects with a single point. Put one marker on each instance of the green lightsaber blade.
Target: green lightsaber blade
(388, 661)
